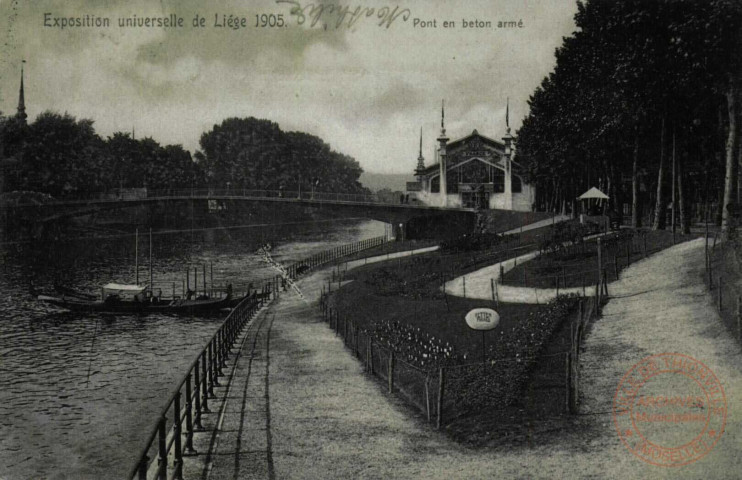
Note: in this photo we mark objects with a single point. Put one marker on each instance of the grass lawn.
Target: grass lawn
(577, 265)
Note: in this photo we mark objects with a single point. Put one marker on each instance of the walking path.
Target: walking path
(660, 305)
(304, 408)
(541, 223)
(479, 285)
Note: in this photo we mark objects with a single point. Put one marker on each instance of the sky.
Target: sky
(364, 88)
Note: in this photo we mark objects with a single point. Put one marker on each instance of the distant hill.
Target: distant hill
(392, 181)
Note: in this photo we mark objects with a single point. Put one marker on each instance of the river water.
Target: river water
(79, 393)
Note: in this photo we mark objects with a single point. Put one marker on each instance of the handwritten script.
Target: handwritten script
(323, 14)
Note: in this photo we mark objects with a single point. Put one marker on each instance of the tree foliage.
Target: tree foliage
(629, 67)
(60, 155)
(256, 154)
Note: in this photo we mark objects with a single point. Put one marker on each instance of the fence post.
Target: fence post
(464, 279)
(739, 318)
(162, 450)
(178, 464)
(568, 381)
(605, 283)
(204, 387)
(189, 416)
(391, 371)
(143, 467)
(441, 386)
(720, 285)
(197, 397)
(427, 396)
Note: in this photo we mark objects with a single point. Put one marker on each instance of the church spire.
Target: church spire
(420, 158)
(21, 99)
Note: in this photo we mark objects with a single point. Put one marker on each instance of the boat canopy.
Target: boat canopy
(123, 288)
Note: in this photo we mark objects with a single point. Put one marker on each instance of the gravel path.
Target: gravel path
(661, 305)
(539, 224)
(479, 285)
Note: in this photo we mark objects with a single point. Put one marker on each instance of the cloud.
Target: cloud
(366, 90)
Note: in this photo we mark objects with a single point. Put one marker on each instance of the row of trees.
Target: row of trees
(637, 85)
(256, 154)
(62, 156)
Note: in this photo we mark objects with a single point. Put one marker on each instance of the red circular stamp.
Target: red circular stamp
(670, 410)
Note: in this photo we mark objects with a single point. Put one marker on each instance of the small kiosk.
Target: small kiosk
(592, 206)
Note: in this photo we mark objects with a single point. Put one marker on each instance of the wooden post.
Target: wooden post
(492, 288)
(557, 286)
(464, 280)
(390, 373)
(151, 270)
(644, 239)
(600, 257)
(628, 253)
(136, 255)
(605, 283)
(502, 273)
(720, 285)
(568, 382)
(615, 266)
(441, 386)
(584, 293)
(427, 397)
(739, 318)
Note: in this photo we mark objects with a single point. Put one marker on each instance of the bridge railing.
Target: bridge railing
(172, 437)
(144, 193)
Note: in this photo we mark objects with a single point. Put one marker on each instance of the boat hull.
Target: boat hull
(178, 306)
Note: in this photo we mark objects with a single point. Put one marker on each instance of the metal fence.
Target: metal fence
(723, 274)
(172, 436)
(443, 392)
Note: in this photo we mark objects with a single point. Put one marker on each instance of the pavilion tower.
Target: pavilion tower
(442, 141)
(420, 158)
(508, 158)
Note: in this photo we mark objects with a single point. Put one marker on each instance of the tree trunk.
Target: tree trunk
(730, 177)
(684, 217)
(659, 208)
(635, 218)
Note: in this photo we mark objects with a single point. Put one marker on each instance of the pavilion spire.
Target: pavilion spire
(443, 118)
(420, 158)
(507, 114)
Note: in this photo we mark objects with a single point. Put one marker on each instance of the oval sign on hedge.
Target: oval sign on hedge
(482, 319)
